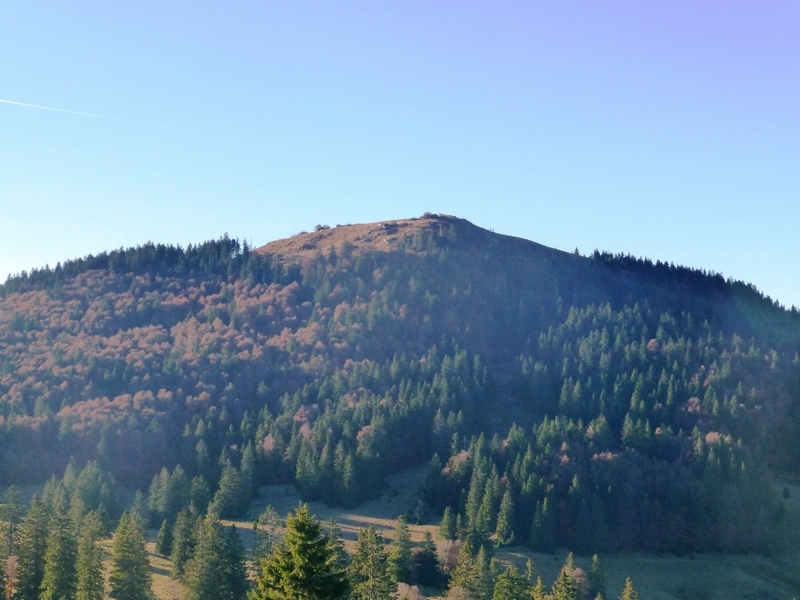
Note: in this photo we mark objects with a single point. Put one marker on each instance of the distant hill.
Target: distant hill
(613, 402)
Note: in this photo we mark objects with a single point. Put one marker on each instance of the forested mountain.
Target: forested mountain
(599, 403)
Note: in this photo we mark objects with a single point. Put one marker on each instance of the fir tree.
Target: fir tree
(425, 562)
(184, 540)
(59, 579)
(511, 586)
(565, 587)
(597, 580)
(369, 572)
(89, 563)
(447, 528)
(233, 566)
(304, 566)
(164, 539)
(130, 568)
(505, 520)
(400, 552)
(204, 576)
(31, 549)
(11, 514)
(629, 593)
(266, 530)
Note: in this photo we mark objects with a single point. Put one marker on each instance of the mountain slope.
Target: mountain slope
(648, 395)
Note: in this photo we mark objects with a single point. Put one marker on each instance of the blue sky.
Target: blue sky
(664, 129)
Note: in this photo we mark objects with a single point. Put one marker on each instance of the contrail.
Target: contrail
(96, 116)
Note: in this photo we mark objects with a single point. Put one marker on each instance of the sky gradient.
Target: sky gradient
(665, 129)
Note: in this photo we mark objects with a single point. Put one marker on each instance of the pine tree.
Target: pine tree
(400, 552)
(58, 580)
(629, 593)
(597, 580)
(512, 586)
(505, 520)
(304, 566)
(369, 570)
(31, 549)
(426, 564)
(89, 563)
(130, 568)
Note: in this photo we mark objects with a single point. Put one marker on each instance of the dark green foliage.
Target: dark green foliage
(130, 577)
(266, 534)
(597, 579)
(164, 539)
(399, 559)
(216, 571)
(11, 514)
(59, 579)
(370, 576)
(89, 562)
(426, 568)
(184, 540)
(31, 549)
(506, 520)
(447, 528)
(512, 586)
(304, 566)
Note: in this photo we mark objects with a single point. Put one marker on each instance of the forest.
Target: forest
(596, 403)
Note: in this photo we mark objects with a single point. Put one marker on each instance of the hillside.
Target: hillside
(598, 402)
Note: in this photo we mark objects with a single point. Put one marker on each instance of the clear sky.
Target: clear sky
(667, 129)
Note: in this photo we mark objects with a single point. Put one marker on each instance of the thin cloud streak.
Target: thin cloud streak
(134, 122)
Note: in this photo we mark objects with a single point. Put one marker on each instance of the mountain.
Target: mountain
(618, 403)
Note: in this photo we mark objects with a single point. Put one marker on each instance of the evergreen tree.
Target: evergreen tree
(304, 566)
(266, 530)
(447, 528)
(400, 552)
(369, 572)
(31, 549)
(11, 514)
(565, 587)
(89, 563)
(200, 494)
(512, 586)
(234, 566)
(543, 534)
(130, 568)
(505, 520)
(204, 576)
(426, 564)
(58, 580)
(629, 593)
(164, 539)
(184, 540)
(231, 500)
(597, 580)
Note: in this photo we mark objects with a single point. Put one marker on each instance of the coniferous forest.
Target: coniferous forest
(596, 403)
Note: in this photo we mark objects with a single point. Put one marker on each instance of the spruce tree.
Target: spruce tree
(184, 540)
(565, 587)
(400, 552)
(304, 566)
(130, 568)
(597, 580)
(369, 571)
(11, 514)
(234, 566)
(266, 533)
(58, 580)
(89, 563)
(505, 520)
(31, 549)
(204, 576)
(511, 585)
(426, 564)
(629, 593)
(447, 528)
(164, 539)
